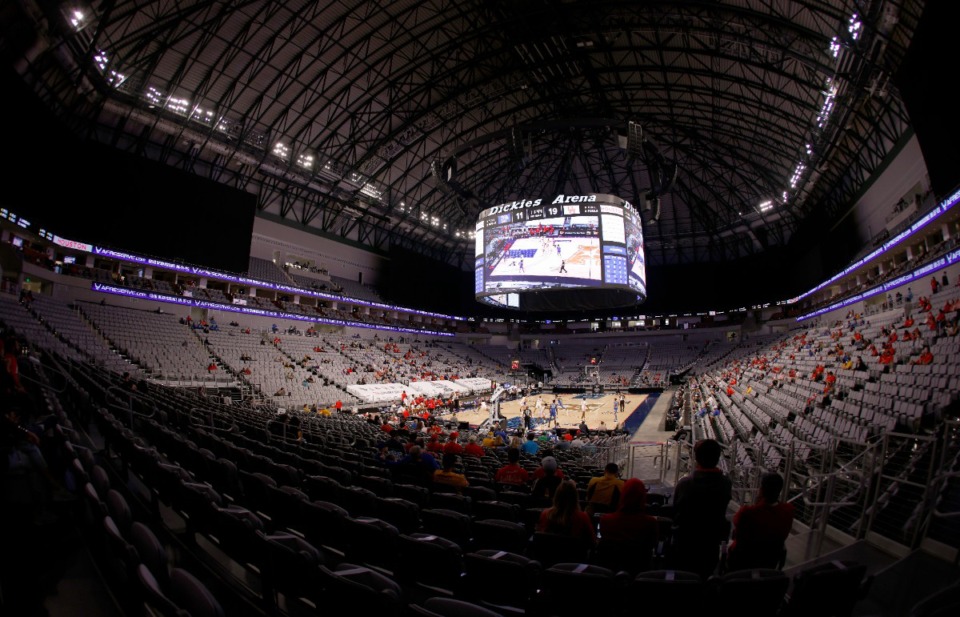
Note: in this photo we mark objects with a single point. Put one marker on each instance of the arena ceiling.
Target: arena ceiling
(394, 123)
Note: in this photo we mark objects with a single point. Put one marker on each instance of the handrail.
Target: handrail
(191, 416)
(44, 385)
(131, 396)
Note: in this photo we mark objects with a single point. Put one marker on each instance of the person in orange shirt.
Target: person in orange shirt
(447, 477)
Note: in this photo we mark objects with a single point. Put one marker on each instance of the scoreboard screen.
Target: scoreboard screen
(532, 253)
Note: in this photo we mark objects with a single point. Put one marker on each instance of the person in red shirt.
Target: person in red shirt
(434, 444)
(630, 527)
(759, 530)
(886, 357)
(831, 379)
(473, 448)
(338, 405)
(565, 517)
(9, 350)
(512, 473)
(925, 356)
(452, 447)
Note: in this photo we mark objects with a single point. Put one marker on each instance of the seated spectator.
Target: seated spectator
(20, 444)
(545, 487)
(630, 522)
(886, 357)
(531, 446)
(417, 467)
(452, 447)
(926, 357)
(473, 448)
(490, 440)
(760, 530)
(830, 379)
(434, 444)
(565, 516)
(447, 477)
(603, 493)
(512, 473)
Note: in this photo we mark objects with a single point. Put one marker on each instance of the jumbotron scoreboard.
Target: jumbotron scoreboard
(565, 252)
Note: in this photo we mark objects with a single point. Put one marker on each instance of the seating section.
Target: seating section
(293, 517)
(156, 342)
(309, 508)
(265, 270)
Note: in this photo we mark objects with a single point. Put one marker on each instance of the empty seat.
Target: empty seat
(765, 588)
(830, 589)
(500, 579)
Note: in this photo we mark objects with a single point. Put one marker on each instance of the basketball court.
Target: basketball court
(599, 409)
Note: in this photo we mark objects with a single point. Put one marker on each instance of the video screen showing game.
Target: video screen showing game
(565, 243)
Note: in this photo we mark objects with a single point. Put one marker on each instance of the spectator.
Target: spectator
(759, 530)
(434, 444)
(452, 447)
(531, 446)
(926, 357)
(417, 467)
(700, 505)
(447, 477)
(473, 448)
(545, 487)
(565, 516)
(630, 521)
(512, 473)
(603, 493)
